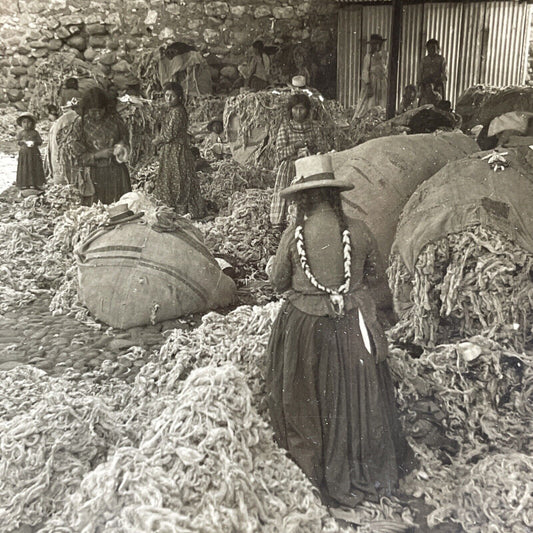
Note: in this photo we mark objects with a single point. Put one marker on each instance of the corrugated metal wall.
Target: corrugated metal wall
(483, 42)
(349, 53)
(413, 17)
(505, 58)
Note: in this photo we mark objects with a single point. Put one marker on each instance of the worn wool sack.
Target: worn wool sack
(131, 275)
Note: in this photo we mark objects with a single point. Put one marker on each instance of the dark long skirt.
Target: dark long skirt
(333, 408)
(110, 182)
(30, 170)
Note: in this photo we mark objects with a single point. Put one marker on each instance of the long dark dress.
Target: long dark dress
(30, 170)
(109, 178)
(332, 404)
(176, 184)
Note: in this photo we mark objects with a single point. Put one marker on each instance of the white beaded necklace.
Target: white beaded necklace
(336, 295)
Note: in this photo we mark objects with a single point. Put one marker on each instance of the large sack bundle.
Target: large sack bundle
(387, 171)
(462, 259)
(131, 275)
(252, 121)
(504, 101)
(471, 102)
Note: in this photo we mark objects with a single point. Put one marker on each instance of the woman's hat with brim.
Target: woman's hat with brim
(314, 172)
(25, 115)
(376, 38)
(119, 212)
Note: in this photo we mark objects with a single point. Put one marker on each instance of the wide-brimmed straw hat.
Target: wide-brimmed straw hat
(376, 38)
(26, 115)
(313, 172)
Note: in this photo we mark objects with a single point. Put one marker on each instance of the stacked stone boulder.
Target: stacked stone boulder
(113, 34)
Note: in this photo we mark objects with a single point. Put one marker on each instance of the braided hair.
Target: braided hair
(307, 198)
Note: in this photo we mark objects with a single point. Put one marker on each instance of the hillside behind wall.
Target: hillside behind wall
(114, 33)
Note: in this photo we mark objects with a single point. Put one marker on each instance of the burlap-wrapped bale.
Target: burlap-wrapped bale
(386, 172)
(462, 259)
(131, 275)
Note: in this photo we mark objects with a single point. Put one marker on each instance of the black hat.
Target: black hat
(376, 38)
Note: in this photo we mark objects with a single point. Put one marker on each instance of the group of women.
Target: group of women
(330, 393)
(96, 147)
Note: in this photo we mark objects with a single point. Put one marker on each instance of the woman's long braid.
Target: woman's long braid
(333, 198)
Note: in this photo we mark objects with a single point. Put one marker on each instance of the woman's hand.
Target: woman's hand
(300, 144)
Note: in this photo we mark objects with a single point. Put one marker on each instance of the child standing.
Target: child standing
(432, 75)
(30, 172)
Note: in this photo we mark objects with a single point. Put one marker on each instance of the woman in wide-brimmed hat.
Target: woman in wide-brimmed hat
(30, 171)
(330, 394)
(373, 76)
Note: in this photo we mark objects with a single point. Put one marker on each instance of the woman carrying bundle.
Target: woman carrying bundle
(96, 141)
(329, 389)
(298, 136)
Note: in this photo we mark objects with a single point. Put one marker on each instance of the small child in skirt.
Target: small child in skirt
(30, 171)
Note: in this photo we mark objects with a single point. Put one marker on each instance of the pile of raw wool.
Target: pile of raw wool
(467, 410)
(246, 239)
(267, 110)
(475, 281)
(227, 177)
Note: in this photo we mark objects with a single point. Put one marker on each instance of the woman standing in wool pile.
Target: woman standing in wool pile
(330, 393)
(297, 136)
(176, 184)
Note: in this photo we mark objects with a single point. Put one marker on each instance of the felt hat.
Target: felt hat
(25, 115)
(298, 81)
(119, 213)
(313, 172)
(376, 38)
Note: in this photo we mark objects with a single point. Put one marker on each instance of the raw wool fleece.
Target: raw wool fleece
(461, 260)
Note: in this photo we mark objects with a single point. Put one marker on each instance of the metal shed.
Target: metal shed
(484, 42)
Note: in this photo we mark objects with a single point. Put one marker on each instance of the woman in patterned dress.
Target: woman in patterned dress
(92, 140)
(176, 184)
(298, 136)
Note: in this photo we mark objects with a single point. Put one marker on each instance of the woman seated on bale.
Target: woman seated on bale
(176, 184)
(95, 137)
(329, 390)
(298, 136)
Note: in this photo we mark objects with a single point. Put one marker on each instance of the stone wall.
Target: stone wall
(113, 34)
